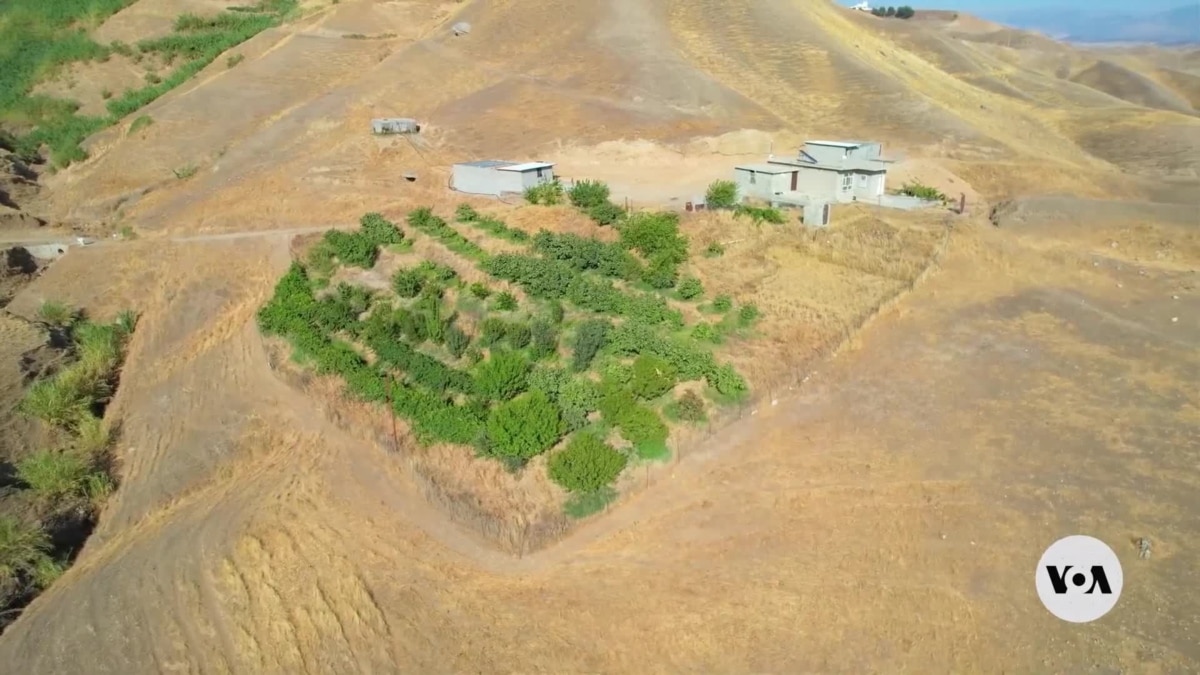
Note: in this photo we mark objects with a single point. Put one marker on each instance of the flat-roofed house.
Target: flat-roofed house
(496, 177)
(821, 172)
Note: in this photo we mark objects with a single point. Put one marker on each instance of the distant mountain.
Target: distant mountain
(1171, 27)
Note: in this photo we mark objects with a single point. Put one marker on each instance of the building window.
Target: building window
(753, 180)
(539, 173)
(847, 181)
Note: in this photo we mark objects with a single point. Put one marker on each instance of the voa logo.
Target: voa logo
(1079, 579)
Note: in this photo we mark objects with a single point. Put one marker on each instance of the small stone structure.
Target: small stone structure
(395, 125)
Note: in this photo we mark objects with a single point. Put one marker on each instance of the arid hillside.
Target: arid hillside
(289, 113)
(928, 398)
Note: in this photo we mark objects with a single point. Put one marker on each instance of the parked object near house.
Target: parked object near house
(395, 125)
(496, 177)
(821, 172)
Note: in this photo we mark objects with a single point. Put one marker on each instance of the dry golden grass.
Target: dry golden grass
(265, 524)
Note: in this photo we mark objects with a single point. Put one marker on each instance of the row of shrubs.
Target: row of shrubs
(553, 280)
(426, 221)
(592, 197)
(494, 226)
(71, 479)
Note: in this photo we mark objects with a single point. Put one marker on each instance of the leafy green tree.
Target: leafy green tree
(655, 235)
(905, 12)
(592, 336)
(721, 194)
(586, 464)
(546, 194)
(502, 376)
(586, 193)
(524, 427)
(652, 377)
(690, 288)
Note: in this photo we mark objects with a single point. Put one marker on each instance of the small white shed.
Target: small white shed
(496, 177)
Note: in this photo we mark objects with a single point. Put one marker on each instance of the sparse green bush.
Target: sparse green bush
(524, 427)
(518, 335)
(721, 194)
(407, 283)
(688, 408)
(493, 331)
(586, 194)
(714, 250)
(920, 191)
(722, 303)
(505, 302)
(690, 288)
(186, 171)
(557, 313)
(457, 341)
(545, 338)
(747, 314)
(652, 377)
(465, 213)
(480, 290)
(547, 194)
(55, 475)
(706, 332)
(583, 504)
(57, 314)
(379, 230)
(234, 60)
(24, 551)
(586, 464)
(759, 214)
(353, 248)
(140, 122)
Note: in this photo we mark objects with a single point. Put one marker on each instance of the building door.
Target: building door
(795, 179)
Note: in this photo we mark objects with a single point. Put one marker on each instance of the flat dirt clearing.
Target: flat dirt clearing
(887, 517)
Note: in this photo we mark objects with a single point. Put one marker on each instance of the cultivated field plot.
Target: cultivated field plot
(537, 370)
